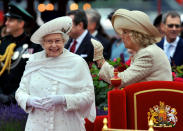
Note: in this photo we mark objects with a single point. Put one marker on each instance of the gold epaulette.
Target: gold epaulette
(6, 57)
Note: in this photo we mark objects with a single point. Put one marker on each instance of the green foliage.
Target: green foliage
(12, 126)
(178, 70)
(115, 63)
(101, 88)
(12, 118)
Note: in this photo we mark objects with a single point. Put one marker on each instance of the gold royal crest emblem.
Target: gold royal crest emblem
(162, 115)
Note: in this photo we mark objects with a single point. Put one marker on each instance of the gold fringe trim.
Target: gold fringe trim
(7, 57)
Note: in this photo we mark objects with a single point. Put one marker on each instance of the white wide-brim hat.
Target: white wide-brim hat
(61, 25)
(134, 20)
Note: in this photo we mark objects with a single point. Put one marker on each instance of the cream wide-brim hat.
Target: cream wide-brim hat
(134, 20)
(61, 25)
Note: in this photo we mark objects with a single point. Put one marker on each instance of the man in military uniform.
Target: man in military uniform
(13, 57)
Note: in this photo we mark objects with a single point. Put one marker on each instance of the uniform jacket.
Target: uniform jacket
(178, 55)
(149, 64)
(9, 81)
(58, 76)
(85, 48)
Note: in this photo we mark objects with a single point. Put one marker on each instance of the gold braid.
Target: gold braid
(7, 57)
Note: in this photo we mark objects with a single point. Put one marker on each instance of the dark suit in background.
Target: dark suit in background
(177, 58)
(85, 49)
(97, 31)
(106, 44)
(80, 33)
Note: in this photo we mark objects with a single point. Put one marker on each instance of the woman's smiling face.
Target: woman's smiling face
(53, 44)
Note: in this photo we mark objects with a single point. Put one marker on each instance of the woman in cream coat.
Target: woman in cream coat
(56, 92)
(149, 63)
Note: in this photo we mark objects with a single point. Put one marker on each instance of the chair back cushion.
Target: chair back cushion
(117, 109)
(157, 100)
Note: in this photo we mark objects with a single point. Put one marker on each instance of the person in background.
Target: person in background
(79, 42)
(159, 24)
(117, 48)
(50, 15)
(171, 43)
(181, 34)
(97, 31)
(15, 49)
(149, 61)
(56, 89)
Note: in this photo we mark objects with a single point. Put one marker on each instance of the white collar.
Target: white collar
(174, 43)
(81, 37)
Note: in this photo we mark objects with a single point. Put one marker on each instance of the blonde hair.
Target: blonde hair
(142, 39)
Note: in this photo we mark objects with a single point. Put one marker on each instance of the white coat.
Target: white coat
(66, 75)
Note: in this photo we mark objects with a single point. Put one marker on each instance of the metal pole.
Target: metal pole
(159, 6)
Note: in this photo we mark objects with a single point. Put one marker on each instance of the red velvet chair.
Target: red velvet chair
(143, 101)
(132, 107)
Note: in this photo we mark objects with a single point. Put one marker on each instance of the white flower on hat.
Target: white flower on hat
(61, 25)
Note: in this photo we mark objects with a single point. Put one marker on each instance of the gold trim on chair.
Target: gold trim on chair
(145, 91)
(105, 128)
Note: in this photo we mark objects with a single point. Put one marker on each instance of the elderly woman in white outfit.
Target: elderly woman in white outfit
(149, 63)
(56, 88)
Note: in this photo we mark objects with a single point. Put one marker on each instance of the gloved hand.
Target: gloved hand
(35, 102)
(4, 98)
(53, 100)
(98, 50)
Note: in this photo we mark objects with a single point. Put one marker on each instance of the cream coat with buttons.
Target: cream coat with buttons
(66, 75)
(148, 64)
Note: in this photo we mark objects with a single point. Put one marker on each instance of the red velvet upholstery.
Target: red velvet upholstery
(117, 107)
(142, 96)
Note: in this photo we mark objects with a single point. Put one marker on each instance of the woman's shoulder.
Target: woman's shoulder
(151, 50)
(146, 53)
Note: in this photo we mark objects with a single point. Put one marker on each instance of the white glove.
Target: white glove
(35, 102)
(98, 50)
(53, 100)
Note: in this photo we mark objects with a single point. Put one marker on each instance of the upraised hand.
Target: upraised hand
(98, 50)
